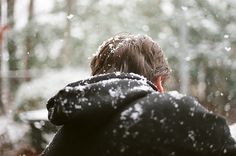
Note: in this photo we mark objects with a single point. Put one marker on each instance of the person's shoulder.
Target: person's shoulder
(174, 100)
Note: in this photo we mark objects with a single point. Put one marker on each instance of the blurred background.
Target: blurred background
(46, 44)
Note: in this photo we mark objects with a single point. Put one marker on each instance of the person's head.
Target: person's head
(131, 54)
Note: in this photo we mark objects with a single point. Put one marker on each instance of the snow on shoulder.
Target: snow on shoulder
(176, 94)
(137, 75)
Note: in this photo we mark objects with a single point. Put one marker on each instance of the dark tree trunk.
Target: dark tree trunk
(1, 103)
(11, 47)
(28, 42)
(66, 51)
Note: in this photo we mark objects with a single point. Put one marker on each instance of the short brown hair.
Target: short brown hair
(131, 54)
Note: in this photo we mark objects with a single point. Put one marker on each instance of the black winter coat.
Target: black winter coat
(123, 115)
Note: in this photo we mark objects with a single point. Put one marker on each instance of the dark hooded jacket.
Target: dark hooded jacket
(122, 114)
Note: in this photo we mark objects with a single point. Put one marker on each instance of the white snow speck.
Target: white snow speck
(125, 113)
(226, 36)
(141, 87)
(134, 115)
(80, 88)
(70, 16)
(175, 105)
(163, 120)
(176, 94)
(184, 8)
(188, 58)
(77, 106)
(117, 73)
(64, 102)
(112, 93)
(138, 111)
(191, 135)
(132, 112)
(67, 89)
(227, 49)
(225, 150)
(116, 93)
(192, 109)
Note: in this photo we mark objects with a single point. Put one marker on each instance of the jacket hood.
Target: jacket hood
(95, 99)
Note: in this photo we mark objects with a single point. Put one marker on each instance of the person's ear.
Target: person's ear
(158, 84)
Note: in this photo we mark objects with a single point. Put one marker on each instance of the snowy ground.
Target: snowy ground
(12, 130)
(233, 130)
(46, 85)
(15, 137)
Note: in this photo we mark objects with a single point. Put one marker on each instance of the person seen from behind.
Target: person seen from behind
(122, 109)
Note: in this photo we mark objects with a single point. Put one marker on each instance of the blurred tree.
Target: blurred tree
(205, 50)
(1, 35)
(197, 36)
(3, 87)
(29, 43)
(67, 46)
(11, 47)
(213, 38)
